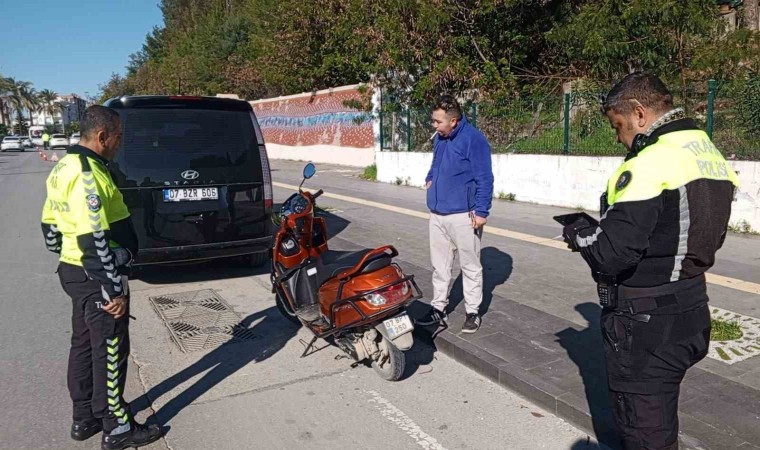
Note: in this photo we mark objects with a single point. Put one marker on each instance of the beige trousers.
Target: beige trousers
(451, 235)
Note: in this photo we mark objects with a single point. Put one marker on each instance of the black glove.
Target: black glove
(570, 232)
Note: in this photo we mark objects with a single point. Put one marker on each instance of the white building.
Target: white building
(72, 110)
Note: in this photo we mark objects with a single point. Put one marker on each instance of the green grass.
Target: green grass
(508, 197)
(370, 173)
(725, 331)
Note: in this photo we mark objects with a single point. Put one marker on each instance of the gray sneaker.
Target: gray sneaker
(471, 324)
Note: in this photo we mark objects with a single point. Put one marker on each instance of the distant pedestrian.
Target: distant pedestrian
(45, 140)
(459, 191)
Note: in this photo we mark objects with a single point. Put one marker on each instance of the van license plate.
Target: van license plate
(190, 194)
(398, 325)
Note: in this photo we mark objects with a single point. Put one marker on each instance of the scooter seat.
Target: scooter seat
(331, 263)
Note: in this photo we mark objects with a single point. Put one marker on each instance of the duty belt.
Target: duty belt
(642, 299)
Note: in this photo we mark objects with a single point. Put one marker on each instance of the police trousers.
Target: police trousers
(99, 354)
(646, 362)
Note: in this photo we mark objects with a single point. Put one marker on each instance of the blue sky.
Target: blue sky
(72, 46)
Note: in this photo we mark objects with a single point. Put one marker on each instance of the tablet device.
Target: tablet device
(567, 219)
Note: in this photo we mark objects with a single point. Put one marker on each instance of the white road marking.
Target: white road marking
(404, 422)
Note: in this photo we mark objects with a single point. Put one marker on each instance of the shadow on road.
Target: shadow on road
(585, 349)
(271, 331)
(497, 267)
(585, 444)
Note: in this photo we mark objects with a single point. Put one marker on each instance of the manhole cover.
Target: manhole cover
(199, 320)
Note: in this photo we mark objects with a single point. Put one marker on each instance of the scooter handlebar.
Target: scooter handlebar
(318, 193)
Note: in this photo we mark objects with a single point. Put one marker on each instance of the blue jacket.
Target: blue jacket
(461, 172)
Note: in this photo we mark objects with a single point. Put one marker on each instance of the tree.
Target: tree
(47, 100)
(751, 14)
(18, 93)
(116, 86)
(30, 102)
(5, 103)
(73, 128)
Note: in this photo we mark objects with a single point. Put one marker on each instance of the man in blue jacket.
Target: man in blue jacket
(459, 191)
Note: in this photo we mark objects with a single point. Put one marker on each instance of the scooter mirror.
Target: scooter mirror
(309, 171)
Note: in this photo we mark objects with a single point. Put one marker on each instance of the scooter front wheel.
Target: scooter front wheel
(285, 310)
(391, 361)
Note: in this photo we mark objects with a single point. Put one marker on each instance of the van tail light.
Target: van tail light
(268, 193)
(268, 196)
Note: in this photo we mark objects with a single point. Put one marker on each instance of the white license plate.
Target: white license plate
(398, 325)
(190, 194)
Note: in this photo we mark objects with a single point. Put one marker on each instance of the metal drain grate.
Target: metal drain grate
(199, 320)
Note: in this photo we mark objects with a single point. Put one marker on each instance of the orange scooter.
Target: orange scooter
(356, 300)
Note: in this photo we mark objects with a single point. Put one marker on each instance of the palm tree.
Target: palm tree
(47, 105)
(29, 100)
(18, 90)
(5, 102)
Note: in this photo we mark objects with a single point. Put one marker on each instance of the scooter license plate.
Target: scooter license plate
(398, 325)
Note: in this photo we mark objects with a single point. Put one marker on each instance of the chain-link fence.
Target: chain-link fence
(571, 123)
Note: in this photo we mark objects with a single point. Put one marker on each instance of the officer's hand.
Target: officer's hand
(570, 232)
(117, 307)
(428, 184)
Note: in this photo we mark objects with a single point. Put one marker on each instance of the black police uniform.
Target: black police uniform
(666, 213)
(84, 219)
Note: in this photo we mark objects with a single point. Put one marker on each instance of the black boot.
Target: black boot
(138, 436)
(81, 431)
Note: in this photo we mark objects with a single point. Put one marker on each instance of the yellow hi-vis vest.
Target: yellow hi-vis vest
(81, 202)
(675, 160)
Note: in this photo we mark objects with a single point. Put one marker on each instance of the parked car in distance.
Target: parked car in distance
(26, 142)
(58, 140)
(12, 143)
(74, 139)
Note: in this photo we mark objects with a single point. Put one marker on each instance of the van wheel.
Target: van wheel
(258, 259)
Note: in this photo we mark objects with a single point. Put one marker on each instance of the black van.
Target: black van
(195, 175)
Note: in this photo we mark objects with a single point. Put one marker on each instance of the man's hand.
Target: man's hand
(428, 184)
(570, 232)
(478, 222)
(117, 307)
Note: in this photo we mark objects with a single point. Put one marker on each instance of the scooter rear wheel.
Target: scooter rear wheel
(392, 368)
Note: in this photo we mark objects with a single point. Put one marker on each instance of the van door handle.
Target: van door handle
(195, 218)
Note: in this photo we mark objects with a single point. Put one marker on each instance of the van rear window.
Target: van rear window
(162, 142)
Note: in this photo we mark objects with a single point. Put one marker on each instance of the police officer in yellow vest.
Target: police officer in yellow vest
(664, 215)
(85, 220)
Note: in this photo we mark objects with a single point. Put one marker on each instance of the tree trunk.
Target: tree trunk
(752, 14)
(3, 113)
(681, 69)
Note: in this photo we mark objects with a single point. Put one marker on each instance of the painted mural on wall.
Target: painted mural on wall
(321, 119)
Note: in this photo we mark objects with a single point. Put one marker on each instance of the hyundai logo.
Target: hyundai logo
(190, 174)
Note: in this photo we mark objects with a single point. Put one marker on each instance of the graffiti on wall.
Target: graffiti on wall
(321, 119)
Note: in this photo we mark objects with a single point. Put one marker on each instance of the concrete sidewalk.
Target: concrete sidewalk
(540, 334)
